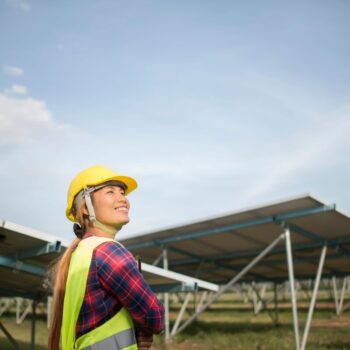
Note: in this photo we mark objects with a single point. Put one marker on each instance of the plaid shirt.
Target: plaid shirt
(114, 281)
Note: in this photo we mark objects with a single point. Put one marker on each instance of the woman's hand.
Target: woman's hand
(144, 340)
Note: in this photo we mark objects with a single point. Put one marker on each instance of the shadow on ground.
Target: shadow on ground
(231, 328)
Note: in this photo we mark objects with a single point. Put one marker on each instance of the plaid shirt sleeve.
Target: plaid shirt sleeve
(119, 275)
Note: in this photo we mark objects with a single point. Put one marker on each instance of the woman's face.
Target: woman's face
(111, 206)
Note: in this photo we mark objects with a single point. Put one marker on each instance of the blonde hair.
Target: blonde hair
(59, 273)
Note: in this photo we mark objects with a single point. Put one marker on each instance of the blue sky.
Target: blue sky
(212, 106)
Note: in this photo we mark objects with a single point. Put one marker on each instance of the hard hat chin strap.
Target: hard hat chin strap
(88, 202)
(92, 216)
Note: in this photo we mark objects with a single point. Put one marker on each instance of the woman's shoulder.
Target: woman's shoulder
(110, 250)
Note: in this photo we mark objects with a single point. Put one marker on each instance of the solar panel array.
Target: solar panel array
(213, 249)
(217, 248)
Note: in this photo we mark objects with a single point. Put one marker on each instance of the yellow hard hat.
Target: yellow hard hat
(93, 176)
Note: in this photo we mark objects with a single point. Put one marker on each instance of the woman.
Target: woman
(101, 301)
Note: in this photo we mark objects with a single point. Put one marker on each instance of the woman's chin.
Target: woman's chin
(120, 225)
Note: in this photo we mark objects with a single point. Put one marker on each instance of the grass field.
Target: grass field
(224, 329)
(228, 324)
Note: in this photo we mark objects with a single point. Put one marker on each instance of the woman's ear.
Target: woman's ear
(85, 210)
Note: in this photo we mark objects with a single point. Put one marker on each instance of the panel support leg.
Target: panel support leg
(20, 318)
(275, 299)
(201, 300)
(166, 298)
(339, 300)
(313, 298)
(33, 325)
(233, 281)
(49, 311)
(292, 288)
(180, 315)
(6, 304)
(9, 336)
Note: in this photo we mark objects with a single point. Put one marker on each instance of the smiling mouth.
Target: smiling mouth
(123, 209)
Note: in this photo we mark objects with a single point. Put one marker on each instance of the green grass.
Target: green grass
(22, 333)
(224, 330)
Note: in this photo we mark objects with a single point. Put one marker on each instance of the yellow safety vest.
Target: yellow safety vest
(115, 334)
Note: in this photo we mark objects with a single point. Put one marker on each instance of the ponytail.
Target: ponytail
(60, 273)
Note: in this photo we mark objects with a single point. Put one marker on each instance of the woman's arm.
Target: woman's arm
(119, 274)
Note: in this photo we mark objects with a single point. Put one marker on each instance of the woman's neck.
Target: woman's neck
(100, 230)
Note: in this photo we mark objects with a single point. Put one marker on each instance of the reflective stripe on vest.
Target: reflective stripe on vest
(117, 331)
(117, 341)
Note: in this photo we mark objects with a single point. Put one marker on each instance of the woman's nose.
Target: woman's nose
(121, 198)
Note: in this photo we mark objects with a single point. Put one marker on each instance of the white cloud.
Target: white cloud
(19, 4)
(13, 71)
(17, 90)
(22, 120)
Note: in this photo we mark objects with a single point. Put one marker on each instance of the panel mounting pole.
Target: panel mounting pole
(313, 298)
(292, 287)
(166, 297)
(232, 281)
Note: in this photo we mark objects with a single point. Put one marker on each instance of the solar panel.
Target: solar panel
(216, 248)
(212, 250)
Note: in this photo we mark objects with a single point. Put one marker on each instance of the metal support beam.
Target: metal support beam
(158, 259)
(308, 234)
(9, 336)
(313, 298)
(181, 301)
(275, 299)
(20, 318)
(181, 313)
(274, 264)
(174, 287)
(47, 248)
(261, 303)
(339, 300)
(292, 287)
(254, 298)
(201, 260)
(33, 325)
(19, 302)
(258, 297)
(5, 305)
(166, 298)
(233, 281)
(14, 264)
(179, 277)
(335, 294)
(49, 311)
(201, 300)
(251, 253)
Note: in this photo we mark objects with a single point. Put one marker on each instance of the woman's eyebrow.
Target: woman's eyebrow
(114, 186)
